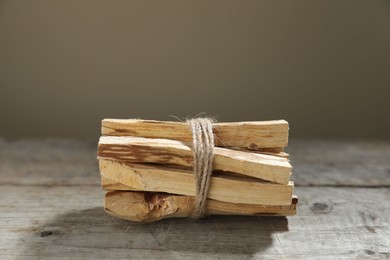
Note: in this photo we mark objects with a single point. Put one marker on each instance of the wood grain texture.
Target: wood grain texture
(170, 152)
(69, 222)
(340, 163)
(150, 206)
(251, 135)
(222, 188)
(48, 161)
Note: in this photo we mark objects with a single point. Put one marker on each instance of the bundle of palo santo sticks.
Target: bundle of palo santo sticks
(146, 168)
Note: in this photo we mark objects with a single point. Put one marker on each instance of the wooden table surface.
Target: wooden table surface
(51, 207)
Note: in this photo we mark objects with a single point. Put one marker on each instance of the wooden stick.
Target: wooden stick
(111, 185)
(148, 207)
(177, 181)
(251, 135)
(164, 151)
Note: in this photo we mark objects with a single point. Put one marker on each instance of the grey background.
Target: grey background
(322, 65)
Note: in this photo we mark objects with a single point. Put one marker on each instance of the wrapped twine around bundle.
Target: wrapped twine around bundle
(203, 154)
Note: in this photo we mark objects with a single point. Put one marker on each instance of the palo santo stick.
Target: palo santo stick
(164, 151)
(111, 185)
(177, 181)
(148, 207)
(251, 135)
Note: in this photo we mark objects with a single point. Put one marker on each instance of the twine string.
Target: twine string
(203, 154)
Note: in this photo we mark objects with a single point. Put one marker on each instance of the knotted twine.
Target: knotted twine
(203, 153)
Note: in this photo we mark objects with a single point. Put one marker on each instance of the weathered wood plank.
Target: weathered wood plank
(56, 218)
(48, 162)
(69, 222)
(340, 163)
(251, 135)
(171, 152)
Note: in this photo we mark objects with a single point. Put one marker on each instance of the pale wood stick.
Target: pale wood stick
(178, 181)
(250, 135)
(164, 151)
(111, 185)
(269, 151)
(149, 207)
(278, 154)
